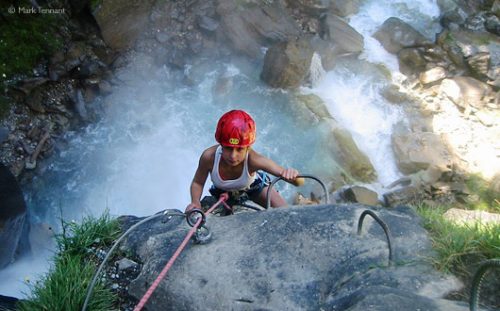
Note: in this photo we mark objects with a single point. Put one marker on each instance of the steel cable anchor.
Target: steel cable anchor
(203, 234)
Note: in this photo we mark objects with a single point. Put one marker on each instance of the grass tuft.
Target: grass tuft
(76, 238)
(458, 246)
(65, 286)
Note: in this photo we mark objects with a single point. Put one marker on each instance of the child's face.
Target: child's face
(233, 156)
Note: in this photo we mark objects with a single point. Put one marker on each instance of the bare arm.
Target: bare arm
(200, 177)
(259, 162)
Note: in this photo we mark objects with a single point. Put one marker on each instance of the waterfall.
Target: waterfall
(316, 72)
(351, 91)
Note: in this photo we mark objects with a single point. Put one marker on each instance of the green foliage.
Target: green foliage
(77, 238)
(458, 246)
(488, 200)
(24, 40)
(65, 286)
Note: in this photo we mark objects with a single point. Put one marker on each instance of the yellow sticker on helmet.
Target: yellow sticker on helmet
(234, 141)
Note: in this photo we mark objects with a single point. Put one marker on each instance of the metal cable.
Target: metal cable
(268, 203)
(478, 278)
(383, 225)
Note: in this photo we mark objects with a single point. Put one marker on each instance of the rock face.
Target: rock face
(395, 35)
(249, 26)
(465, 92)
(287, 64)
(297, 258)
(418, 151)
(122, 22)
(350, 157)
(12, 215)
(346, 38)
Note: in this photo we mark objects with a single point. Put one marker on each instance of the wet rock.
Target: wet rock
(12, 215)
(313, 7)
(342, 34)
(344, 8)
(349, 156)
(207, 23)
(393, 94)
(359, 194)
(394, 35)
(247, 27)
(455, 16)
(492, 24)
(287, 64)
(326, 50)
(310, 109)
(89, 67)
(411, 60)
(121, 23)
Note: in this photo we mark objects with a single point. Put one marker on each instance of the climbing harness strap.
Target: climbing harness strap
(181, 247)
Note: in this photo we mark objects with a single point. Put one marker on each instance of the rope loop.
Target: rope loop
(193, 219)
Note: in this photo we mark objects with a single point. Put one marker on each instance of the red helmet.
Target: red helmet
(235, 128)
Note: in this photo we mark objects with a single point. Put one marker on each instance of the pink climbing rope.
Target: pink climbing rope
(163, 273)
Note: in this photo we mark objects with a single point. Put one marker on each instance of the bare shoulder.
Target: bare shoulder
(208, 156)
(255, 160)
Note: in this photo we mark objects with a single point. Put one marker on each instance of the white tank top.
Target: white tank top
(241, 183)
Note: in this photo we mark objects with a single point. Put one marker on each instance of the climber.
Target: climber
(235, 167)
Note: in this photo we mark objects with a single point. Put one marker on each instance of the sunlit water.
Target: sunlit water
(141, 157)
